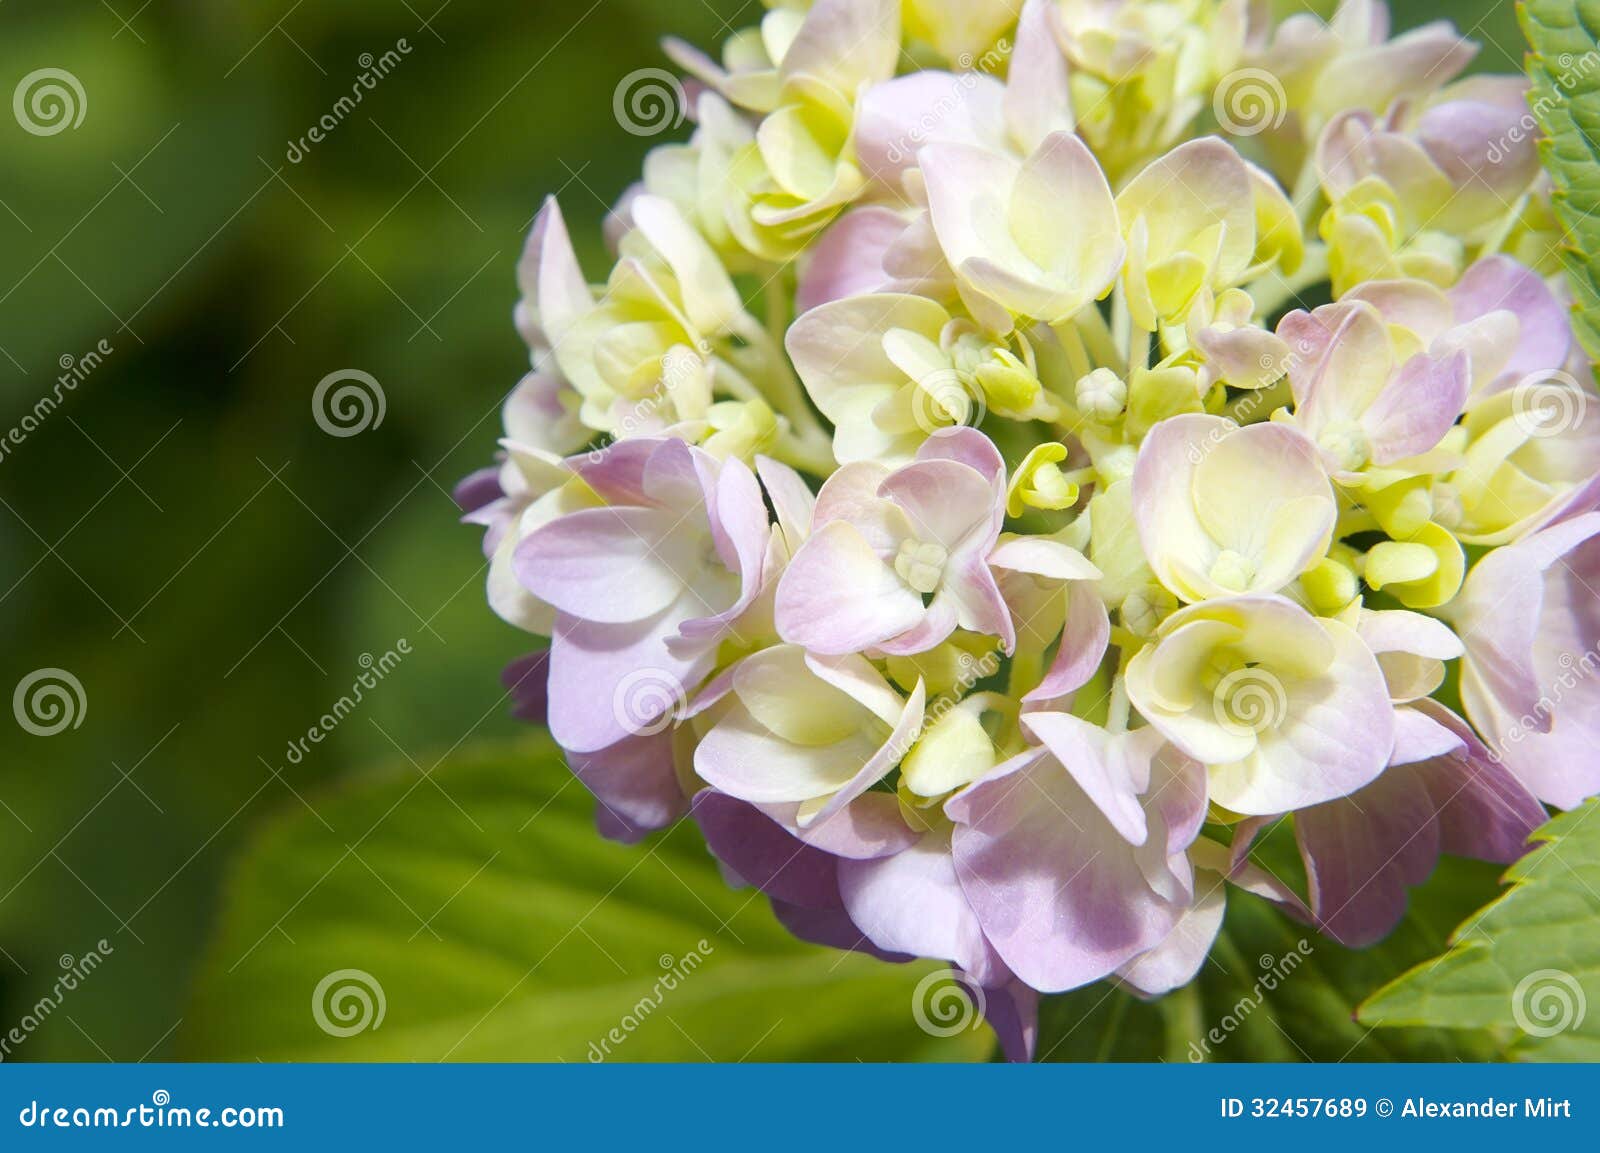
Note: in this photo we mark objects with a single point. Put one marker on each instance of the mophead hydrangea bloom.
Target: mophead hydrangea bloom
(1016, 461)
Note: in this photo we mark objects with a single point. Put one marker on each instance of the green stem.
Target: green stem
(728, 378)
(806, 453)
(1076, 351)
(1120, 708)
(783, 390)
(1307, 189)
(1122, 326)
(1091, 326)
(1259, 404)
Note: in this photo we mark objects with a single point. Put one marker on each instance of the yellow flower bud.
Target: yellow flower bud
(1040, 483)
(1422, 572)
(1330, 587)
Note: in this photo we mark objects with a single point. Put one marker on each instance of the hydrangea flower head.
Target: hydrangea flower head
(987, 497)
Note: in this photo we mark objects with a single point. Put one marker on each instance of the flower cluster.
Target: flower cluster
(1158, 424)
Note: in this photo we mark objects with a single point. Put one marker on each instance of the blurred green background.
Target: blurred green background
(184, 539)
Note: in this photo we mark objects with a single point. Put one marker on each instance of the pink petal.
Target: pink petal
(1081, 749)
(1498, 282)
(847, 259)
(1413, 413)
(838, 597)
(790, 497)
(613, 681)
(764, 854)
(1064, 902)
(912, 902)
(896, 118)
(634, 780)
(867, 828)
(947, 503)
(1083, 645)
(610, 565)
(616, 472)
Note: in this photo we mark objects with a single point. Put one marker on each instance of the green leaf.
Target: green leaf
(1274, 990)
(499, 925)
(1528, 964)
(1565, 71)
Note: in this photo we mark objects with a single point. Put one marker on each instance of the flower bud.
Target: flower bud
(1101, 395)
